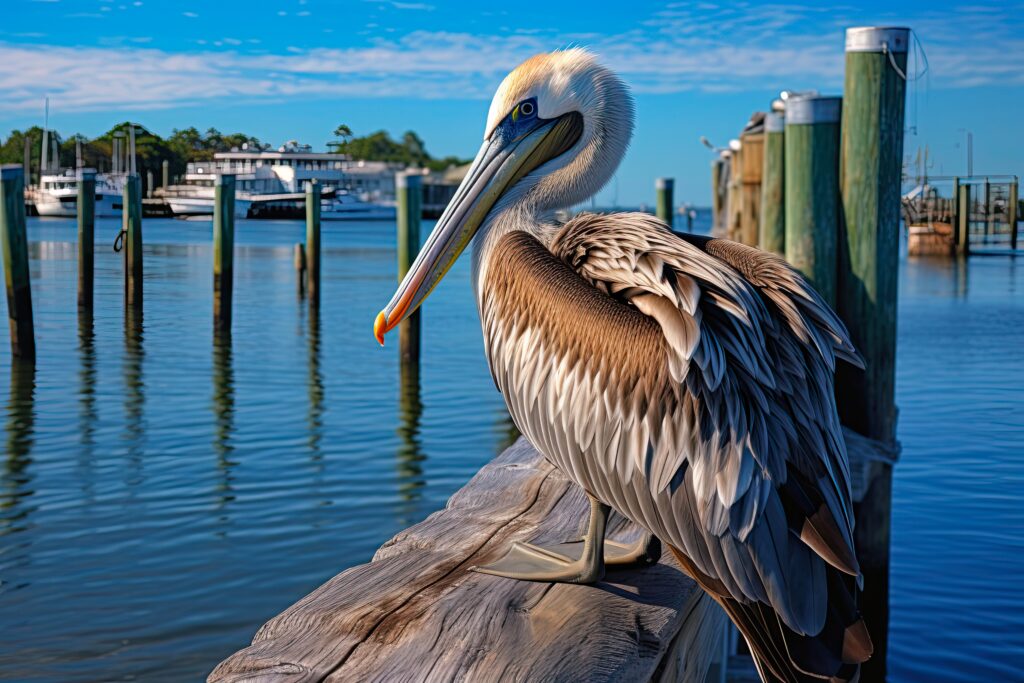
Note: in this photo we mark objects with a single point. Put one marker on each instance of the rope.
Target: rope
(919, 49)
(119, 240)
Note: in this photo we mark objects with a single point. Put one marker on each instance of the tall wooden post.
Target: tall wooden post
(963, 220)
(410, 197)
(716, 195)
(223, 250)
(313, 242)
(131, 224)
(15, 255)
(872, 153)
(954, 212)
(750, 186)
(86, 236)
(149, 184)
(812, 189)
(772, 227)
(1011, 211)
(165, 167)
(988, 209)
(734, 193)
(664, 188)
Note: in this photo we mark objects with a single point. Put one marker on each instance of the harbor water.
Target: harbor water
(163, 493)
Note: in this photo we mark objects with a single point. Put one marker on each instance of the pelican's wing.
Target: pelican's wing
(754, 348)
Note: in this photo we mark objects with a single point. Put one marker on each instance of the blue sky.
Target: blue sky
(294, 69)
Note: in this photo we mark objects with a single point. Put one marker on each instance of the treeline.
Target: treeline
(151, 150)
(189, 144)
(380, 146)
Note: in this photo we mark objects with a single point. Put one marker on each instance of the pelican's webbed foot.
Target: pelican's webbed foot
(575, 562)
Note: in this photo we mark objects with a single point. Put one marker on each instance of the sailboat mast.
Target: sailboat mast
(44, 151)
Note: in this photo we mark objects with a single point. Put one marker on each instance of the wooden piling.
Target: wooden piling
(717, 167)
(954, 212)
(165, 168)
(1011, 211)
(86, 237)
(149, 184)
(131, 225)
(734, 192)
(871, 165)
(300, 267)
(410, 196)
(223, 250)
(750, 186)
(15, 255)
(664, 189)
(963, 220)
(811, 189)
(313, 242)
(772, 226)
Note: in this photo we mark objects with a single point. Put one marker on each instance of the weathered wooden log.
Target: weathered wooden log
(750, 186)
(416, 612)
(14, 242)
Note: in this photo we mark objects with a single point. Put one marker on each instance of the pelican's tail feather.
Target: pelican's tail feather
(785, 656)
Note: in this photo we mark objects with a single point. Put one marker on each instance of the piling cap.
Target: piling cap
(11, 170)
(664, 183)
(877, 39)
(406, 179)
(224, 179)
(814, 109)
(774, 122)
(86, 174)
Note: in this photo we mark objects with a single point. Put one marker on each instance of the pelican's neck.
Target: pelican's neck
(513, 217)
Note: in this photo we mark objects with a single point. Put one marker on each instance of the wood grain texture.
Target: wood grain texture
(416, 612)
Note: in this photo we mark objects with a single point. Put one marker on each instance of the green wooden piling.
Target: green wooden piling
(86, 237)
(313, 242)
(870, 172)
(1011, 211)
(131, 225)
(15, 255)
(165, 167)
(811, 189)
(410, 197)
(664, 189)
(223, 250)
(772, 228)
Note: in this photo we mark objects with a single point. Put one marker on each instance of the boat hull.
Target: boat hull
(200, 206)
(107, 206)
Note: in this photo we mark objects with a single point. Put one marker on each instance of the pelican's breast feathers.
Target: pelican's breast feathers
(697, 368)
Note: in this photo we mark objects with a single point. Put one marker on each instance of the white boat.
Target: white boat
(198, 200)
(57, 195)
(347, 207)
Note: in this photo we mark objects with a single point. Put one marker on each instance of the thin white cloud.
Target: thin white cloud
(676, 49)
(190, 15)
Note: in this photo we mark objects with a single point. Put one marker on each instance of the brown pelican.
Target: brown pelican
(683, 381)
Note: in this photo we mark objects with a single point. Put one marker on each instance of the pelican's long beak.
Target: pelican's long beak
(504, 158)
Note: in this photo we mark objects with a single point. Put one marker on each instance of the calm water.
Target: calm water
(163, 494)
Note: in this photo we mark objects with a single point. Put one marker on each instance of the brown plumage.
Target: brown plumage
(687, 383)
(684, 381)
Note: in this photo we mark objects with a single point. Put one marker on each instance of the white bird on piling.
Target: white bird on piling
(686, 382)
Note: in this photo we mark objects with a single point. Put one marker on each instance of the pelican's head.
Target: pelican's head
(556, 131)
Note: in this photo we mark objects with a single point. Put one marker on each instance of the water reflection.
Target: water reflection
(87, 414)
(20, 433)
(134, 388)
(223, 413)
(410, 448)
(315, 387)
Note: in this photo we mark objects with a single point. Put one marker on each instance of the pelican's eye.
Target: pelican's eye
(524, 111)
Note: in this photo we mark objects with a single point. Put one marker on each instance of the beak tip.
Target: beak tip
(380, 327)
